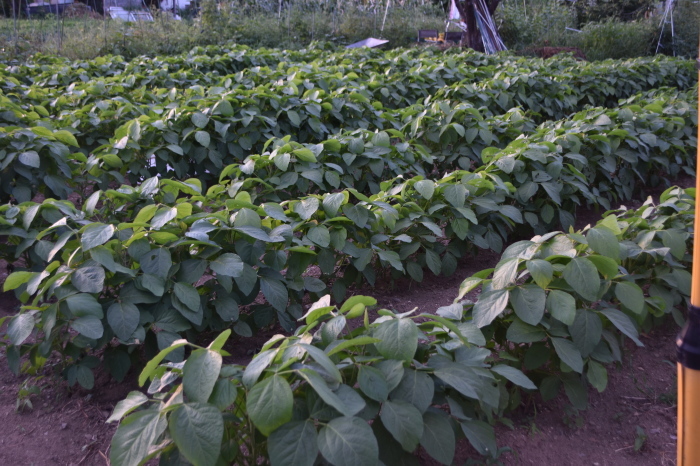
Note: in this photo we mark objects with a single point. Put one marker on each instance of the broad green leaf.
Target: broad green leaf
(489, 306)
(20, 328)
(156, 262)
(324, 361)
(163, 216)
(66, 137)
(306, 207)
(96, 234)
(604, 242)
(151, 366)
(372, 383)
(256, 367)
(623, 323)
(416, 388)
(357, 299)
(187, 294)
(293, 444)
(528, 303)
(132, 401)
(332, 203)
(275, 292)
(135, 436)
(123, 318)
(327, 395)
(568, 353)
(505, 273)
(631, 296)
(425, 188)
(270, 404)
(541, 271)
(229, 265)
(30, 159)
(17, 279)
(438, 437)
(89, 279)
(607, 267)
(319, 235)
(514, 375)
(586, 331)
(83, 304)
(224, 394)
(348, 441)
(203, 138)
(562, 306)
(88, 326)
(575, 390)
(597, 375)
(200, 374)
(404, 422)
(399, 339)
(197, 429)
(582, 276)
(460, 378)
(520, 332)
(481, 436)
(199, 119)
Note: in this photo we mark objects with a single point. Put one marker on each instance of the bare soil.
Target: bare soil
(66, 426)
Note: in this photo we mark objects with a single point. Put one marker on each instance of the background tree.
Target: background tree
(466, 8)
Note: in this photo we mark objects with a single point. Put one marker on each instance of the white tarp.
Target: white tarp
(371, 42)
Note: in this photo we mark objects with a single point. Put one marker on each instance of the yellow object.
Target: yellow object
(688, 416)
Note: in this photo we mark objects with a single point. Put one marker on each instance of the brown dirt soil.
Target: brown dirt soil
(67, 426)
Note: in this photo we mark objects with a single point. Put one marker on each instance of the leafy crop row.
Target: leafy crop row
(552, 314)
(149, 262)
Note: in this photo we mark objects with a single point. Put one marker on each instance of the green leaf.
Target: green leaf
(305, 155)
(586, 331)
(332, 203)
(541, 271)
(293, 444)
(153, 363)
(163, 216)
(187, 294)
(123, 318)
(562, 306)
(224, 394)
(438, 438)
(416, 388)
(631, 296)
(203, 138)
(319, 235)
(575, 390)
(30, 159)
(135, 436)
(597, 375)
(200, 374)
(348, 441)
(275, 292)
(623, 323)
(324, 361)
(373, 383)
(88, 326)
(66, 137)
(607, 267)
(270, 404)
(357, 299)
(425, 188)
(568, 353)
(520, 332)
(89, 279)
(96, 234)
(197, 429)
(582, 276)
(489, 306)
(20, 328)
(157, 262)
(306, 207)
(199, 119)
(229, 265)
(604, 242)
(514, 375)
(17, 279)
(455, 194)
(132, 401)
(459, 378)
(327, 395)
(404, 422)
(528, 303)
(481, 436)
(353, 342)
(399, 339)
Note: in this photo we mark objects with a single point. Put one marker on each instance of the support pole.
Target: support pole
(688, 344)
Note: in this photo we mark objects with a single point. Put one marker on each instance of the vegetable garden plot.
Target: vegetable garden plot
(365, 181)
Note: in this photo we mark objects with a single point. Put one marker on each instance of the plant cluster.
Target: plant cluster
(161, 199)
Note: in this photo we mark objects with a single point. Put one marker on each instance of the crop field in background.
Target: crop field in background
(153, 204)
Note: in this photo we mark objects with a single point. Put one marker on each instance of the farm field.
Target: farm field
(193, 207)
